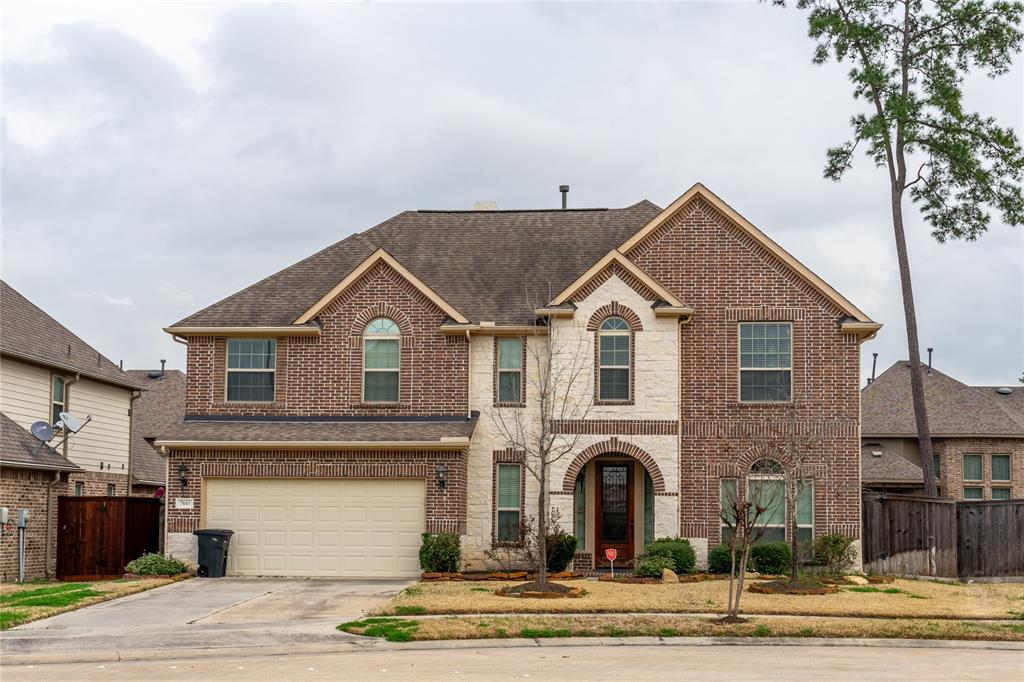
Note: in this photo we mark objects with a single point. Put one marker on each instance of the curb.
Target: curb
(362, 645)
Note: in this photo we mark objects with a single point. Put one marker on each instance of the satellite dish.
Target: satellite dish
(42, 431)
(70, 422)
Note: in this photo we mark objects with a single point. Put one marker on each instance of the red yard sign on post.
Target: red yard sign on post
(610, 554)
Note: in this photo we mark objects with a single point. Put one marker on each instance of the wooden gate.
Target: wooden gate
(910, 535)
(991, 537)
(97, 536)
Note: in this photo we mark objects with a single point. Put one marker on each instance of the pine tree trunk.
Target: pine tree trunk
(924, 437)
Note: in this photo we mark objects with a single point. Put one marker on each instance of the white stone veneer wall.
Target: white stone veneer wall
(656, 391)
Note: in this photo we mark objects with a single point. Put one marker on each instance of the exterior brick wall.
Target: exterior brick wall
(323, 376)
(30, 489)
(445, 509)
(728, 277)
(951, 453)
(95, 483)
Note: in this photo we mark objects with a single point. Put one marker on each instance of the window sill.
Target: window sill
(249, 402)
(370, 406)
(765, 403)
(520, 404)
(621, 403)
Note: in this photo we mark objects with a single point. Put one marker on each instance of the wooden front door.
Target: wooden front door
(614, 526)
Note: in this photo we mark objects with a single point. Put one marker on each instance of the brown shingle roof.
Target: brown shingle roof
(148, 467)
(483, 263)
(28, 333)
(954, 408)
(318, 431)
(162, 402)
(19, 448)
(887, 467)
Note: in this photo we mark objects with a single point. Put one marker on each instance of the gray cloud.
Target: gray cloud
(312, 123)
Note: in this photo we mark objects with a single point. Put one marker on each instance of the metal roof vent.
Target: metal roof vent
(1004, 390)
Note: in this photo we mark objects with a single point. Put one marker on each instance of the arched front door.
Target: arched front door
(614, 522)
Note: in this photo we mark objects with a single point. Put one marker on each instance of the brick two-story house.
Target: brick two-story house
(338, 408)
(977, 436)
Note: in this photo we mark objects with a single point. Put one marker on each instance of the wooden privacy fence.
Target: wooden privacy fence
(991, 538)
(909, 535)
(97, 536)
(937, 536)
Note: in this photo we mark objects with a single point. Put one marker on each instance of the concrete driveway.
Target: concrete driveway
(207, 613)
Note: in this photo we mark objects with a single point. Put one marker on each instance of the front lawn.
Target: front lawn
(900, 599)
(537, 626)
(25, 602)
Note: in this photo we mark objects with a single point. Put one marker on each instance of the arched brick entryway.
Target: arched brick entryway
(613, 446)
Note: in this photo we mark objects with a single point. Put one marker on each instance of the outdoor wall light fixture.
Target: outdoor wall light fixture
(442, 476)
(183, 475)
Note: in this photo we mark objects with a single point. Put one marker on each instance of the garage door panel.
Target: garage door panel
(319, 527)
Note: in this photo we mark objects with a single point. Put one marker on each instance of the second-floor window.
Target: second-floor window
(766, 362)
(251, 369)
(57, 400)
(381, 361)
(614, 338)
(510, 371)
(974, 468)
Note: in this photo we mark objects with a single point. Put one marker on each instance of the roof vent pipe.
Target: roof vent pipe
(874, 366)
(163, 364)
(930, 360)
(564, 189)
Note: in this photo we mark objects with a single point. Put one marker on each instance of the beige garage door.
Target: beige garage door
(319, 527)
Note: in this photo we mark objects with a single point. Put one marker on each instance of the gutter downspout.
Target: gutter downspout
(469, 378)
(131, 435)
(49, 525)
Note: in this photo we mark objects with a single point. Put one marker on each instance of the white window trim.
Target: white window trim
(974, 487)
(497, 363)
(806, 482)
(741, 369)
(498, 508)
(1008, 489)
(601, 333)
(963, 461)
(1009, 458)
(382, 337)
(228, 370)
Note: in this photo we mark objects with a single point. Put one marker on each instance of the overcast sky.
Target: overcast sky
(157, 158)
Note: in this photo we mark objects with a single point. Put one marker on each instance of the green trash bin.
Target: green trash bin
(213, 551)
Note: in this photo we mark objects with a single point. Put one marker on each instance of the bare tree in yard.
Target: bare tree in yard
(746, 511)
(908, 62)
(558, 378)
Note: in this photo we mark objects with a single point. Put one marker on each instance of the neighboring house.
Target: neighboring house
(977, 436)
(162, 403)
(337, 409)
(44, 370)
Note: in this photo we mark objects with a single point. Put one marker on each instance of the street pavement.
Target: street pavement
(566, 663)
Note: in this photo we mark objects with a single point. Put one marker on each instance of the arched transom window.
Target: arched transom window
(382, 358)
(614, 339)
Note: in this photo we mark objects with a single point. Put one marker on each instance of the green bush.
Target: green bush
(440, 553)
(836, 551)
(560, 549)
(771, 558)
(155, 564)
(677, 549)
(720, 560)
(652, 566)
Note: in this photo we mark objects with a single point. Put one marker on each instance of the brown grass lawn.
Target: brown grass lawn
(916, 599)
(50, 598)
(525, 626)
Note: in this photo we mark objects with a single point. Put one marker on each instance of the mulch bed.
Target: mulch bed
(630, 580)
(497, 575)
(786, 587)
(534, 590)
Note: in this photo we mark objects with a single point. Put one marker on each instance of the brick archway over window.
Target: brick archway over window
(380, 309)
(613, 446)
(614, 309)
